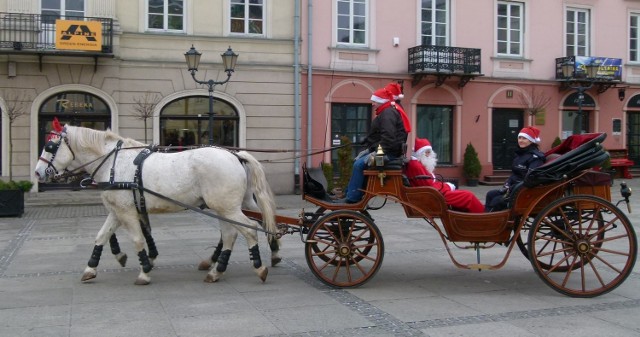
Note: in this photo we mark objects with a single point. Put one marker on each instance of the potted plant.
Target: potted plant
(12, 197)
(471, 167)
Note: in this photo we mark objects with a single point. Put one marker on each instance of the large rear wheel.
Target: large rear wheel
(344, 249)
(582, 246)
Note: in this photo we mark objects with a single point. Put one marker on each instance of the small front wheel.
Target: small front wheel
(344, 249)
(582, 246)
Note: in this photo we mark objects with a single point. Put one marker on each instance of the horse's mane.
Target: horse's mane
(96, 140)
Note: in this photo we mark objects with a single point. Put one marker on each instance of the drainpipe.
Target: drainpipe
(296, 96)
(309, 77)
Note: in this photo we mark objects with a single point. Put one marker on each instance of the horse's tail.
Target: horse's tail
(257, 181)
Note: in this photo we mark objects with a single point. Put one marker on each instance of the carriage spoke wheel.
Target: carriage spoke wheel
(344, 249)
(582, 246)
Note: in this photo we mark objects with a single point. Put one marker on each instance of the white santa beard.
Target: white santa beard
(429, 162)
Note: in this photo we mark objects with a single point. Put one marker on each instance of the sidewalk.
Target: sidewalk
(416, 292)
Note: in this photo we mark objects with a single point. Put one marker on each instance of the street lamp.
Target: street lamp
(579, 82)
(229, 59)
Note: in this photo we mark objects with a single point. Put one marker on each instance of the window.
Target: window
(352, 121)
(634, 22)
(510, 18)
(185, 122)
(56, 9)
(577, 30)
(247, 16)
(434, 122)
(165, 15)
(435, 22)
(352, 22)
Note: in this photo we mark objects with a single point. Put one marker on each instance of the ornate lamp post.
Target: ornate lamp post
(229, 59)
(580, 83)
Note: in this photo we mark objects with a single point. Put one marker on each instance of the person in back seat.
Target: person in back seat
(528, 157)
(420, 169)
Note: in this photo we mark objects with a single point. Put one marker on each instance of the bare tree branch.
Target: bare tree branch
(16, 102)
(538, 103)
(144, 107)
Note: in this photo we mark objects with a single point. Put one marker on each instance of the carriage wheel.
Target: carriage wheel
(344, 249)
(548, 262)
(584, 246)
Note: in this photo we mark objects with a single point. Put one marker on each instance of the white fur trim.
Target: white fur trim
(422, 150)
(531, 139)
(379, 99)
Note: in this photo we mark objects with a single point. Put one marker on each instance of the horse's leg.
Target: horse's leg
(251, 237)
(151, 243)
(249, 202)
(108, 228)
(115, 250)
(206, 264)
(128, 217)
(228, 236)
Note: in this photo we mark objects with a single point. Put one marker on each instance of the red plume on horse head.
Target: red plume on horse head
(56, 125)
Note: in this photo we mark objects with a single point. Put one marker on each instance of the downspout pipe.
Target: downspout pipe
(296, 96)
(309, 77)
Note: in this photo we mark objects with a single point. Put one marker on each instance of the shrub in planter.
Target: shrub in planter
(12, 197)
(471, 166)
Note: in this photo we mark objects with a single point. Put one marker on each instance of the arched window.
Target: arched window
(185, 122)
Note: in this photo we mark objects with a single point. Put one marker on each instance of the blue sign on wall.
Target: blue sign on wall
(609, 69)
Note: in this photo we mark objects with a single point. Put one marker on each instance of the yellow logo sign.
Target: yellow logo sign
(78, 35)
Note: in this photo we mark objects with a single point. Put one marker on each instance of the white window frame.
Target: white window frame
(351, 29)
(63, 10)
(434, 23)
(634, 42)
(587, 35)
(165, 18)
(511, 33)
(246, 18)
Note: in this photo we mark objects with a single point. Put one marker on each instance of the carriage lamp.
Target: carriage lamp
(379, 157)
(625, 191)
(229, 59)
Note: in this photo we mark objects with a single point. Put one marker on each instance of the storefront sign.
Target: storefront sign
(78, 35)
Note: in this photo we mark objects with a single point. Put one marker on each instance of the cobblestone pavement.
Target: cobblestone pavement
(417, 291)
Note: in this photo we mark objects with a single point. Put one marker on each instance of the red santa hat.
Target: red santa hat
(421, 146)
(395, 90)
(381, 96)
(530, 133)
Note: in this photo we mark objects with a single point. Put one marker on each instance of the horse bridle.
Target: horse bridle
(52, 147)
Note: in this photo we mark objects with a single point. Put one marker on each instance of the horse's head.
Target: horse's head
(57, 155)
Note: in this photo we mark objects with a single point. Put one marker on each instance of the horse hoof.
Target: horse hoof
(204, 265)
(262, 274)
(275, 261)
(122, 259)
(88, 276)
(211, 279)
(141, 282)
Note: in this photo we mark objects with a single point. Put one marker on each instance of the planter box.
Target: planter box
(11, 203)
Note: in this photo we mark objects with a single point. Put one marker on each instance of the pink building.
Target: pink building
(473, 72)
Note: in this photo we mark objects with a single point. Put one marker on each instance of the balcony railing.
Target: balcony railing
(36, 34)
(444, 62)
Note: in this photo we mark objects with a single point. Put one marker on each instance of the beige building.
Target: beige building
(109, 63)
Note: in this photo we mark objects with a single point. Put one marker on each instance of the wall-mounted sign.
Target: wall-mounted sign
(78, 35)
(617, 126)
(609, 69)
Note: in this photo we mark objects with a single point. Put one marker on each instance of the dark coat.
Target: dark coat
(387, 129)
(526, 159)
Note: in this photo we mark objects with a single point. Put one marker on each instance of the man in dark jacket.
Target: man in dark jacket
(389, 130)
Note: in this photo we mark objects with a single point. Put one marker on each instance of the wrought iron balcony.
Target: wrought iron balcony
(444, 62)
(36, 34)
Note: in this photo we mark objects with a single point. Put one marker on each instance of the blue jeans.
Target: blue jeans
(357, 179)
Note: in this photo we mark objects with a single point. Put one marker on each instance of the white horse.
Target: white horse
(221, 180)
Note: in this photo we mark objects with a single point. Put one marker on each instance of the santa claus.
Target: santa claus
(420, 171)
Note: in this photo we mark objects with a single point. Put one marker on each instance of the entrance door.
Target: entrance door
(504, 138)
(633, 137)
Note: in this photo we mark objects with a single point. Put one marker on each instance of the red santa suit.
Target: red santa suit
(460, 200)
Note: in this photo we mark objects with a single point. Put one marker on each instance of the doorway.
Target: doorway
(504, 137)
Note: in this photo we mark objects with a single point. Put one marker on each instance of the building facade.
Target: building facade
(473, 72)
(120, 64)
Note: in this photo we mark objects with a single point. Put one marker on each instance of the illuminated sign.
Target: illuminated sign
(78, 35)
